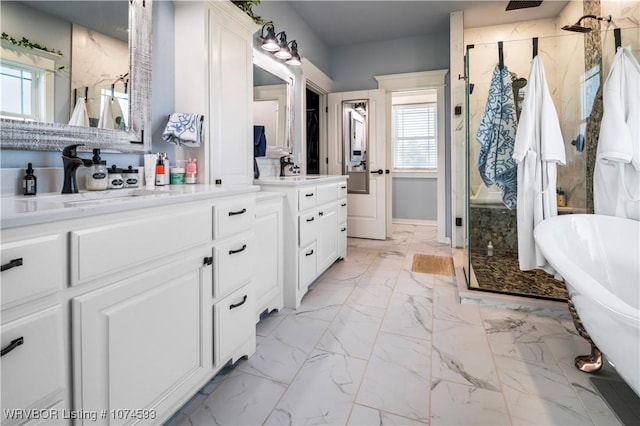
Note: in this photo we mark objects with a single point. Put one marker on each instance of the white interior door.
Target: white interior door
(366, 216)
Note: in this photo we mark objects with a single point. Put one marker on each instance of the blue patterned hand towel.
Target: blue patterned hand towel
(496, 136)
(184, 129)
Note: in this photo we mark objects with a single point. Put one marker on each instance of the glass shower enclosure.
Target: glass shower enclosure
(575, 82)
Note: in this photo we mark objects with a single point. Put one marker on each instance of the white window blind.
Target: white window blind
(415, 142)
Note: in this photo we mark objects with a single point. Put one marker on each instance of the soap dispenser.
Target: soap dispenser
(97, 178)
(29, 182)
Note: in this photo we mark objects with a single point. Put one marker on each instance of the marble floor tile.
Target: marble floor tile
(351, 333)
(322, 393)
(347, 270)
(397, 379)
(283, 352)
(323, 301)
(243, 399)
(409, 315)
(270, 321)
(366, 416)
(447, 306)
(415, 283)
(376, 296)
(538, 392)
(461, 354)
(456, 404)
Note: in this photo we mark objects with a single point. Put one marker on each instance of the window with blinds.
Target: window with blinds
(414, 134)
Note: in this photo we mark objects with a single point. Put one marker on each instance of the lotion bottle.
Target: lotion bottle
(97, 179)
(490, 249)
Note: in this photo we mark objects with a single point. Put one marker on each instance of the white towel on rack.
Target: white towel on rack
(184, 129)
(107, 120)
(79, 117)
(616, 179)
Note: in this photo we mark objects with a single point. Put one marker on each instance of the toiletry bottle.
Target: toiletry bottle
(167, 168)
(560, 197)
(191, 171)
(160, 170)
(490, 249)
(29, 182)
(97, 179)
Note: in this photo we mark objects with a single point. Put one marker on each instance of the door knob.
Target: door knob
(379, 171)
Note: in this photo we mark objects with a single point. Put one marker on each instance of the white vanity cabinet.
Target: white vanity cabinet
(126, 313)
(215, 78)
(314, 216)
(268, 268)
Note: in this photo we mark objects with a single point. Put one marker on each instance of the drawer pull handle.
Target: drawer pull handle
(309, 253)
(238, 212)
(311, 220)
(343, 205)
(235, 305)
(344, 187)
(309, 195)
(343, 229)
(208, 260)
(321, 213)
(244, 247)
(12, 264)
(14, 344)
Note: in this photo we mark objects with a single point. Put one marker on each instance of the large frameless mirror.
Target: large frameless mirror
(355, 142)
(90, 86)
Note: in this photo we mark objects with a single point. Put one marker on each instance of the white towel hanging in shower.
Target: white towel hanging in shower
(616, 179)
(538, 149)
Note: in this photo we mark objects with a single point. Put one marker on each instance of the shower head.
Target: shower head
(577, 28)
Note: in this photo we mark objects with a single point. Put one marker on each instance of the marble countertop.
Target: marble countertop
(299, 180)
(51, 207)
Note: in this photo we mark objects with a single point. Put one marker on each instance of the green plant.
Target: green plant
(247, 7)
(27, 43)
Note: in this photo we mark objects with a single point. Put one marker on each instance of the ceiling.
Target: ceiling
(345, 22)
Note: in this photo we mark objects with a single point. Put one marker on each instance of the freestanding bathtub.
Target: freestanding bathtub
(599, 258)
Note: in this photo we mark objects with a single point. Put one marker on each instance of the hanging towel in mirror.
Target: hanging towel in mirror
(496, 136)
(107, 121)
(184, 129)
(539, 148)
(259, 141)
(616, 179)
(79, 117)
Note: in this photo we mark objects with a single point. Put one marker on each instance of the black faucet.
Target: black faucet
(284, 162)
(71, 162)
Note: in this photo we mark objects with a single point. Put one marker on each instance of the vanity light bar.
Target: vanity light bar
(278, 45)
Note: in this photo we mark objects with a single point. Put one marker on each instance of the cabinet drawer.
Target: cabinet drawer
(307, 265)
(306, 198)
(233, 216)
(307, 227)
(342, 190)
(235, 322)
(342, 211)
(24, 262)
(132, 243)
(326, 193)
(233, 263)
(34, 370)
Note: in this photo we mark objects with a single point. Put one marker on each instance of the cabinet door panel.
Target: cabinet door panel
(138, 339)
(268, 241)
(35, 369)
(31, 257)
(327, 241)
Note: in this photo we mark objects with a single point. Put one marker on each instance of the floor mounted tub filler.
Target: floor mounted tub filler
(599, 258)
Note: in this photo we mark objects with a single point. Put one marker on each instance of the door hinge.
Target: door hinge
(326, 160)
